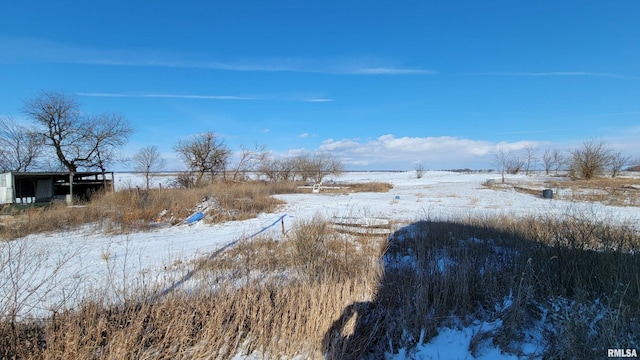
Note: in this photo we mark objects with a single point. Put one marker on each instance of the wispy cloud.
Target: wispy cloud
(205, 97)
(27, 49)
(320, 100)
(303, 135)
(559, 73)
(169, 96)
(614, 114)
(393, 71)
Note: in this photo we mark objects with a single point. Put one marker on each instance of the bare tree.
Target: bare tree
(268, 168)
(503, 160)
(552, 159)
(78, 140)
(305, 166)
(277, 169)
(148, 160)
(617, 162)
(19, 147)
(590, 159)
(250, 159)
(109, 132)
(530, 158)
(323, 164)
(204, 153)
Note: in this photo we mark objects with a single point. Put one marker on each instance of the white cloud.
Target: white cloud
(303, 135)
(389, 151)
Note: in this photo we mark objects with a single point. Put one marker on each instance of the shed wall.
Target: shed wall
(6, 188)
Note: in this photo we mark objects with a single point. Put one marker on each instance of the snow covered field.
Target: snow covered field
(86, 261)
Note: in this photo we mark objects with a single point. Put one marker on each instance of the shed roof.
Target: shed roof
(48, 174)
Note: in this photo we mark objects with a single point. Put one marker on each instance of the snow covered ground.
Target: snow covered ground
(88, 261)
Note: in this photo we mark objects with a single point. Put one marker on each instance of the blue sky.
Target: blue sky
(380, 84)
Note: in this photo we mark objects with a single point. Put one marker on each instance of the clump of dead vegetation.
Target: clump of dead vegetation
(617, 191)
(347, 188)
(322, 294)
(134, 209)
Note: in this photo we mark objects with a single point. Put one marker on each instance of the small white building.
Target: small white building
(38, 187)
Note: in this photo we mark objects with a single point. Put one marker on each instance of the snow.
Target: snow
(454, 344)
(163, 256)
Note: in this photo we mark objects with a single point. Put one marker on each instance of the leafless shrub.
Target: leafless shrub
(29, 276)
(419, 171)
(589, 160)
(617, 162)
(635, 165)
(184, 180)
(515, 166)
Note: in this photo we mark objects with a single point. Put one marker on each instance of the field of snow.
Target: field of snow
(88, 261)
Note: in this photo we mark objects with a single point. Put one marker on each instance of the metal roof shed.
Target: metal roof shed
(35, 187)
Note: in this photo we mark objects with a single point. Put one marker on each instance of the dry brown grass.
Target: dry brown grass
(370, 187)
(347, 188)
(273, 297)
(609, 191)
(325, 295)
(133, 210)
(541, 264)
